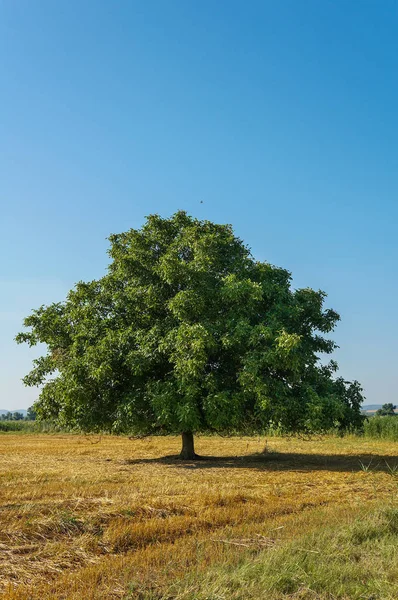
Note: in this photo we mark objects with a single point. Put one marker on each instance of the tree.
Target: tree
(387, 410)
(187, 332)
(31, 414)
(17, 416)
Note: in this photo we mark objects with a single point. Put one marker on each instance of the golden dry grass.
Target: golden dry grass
(111, 518)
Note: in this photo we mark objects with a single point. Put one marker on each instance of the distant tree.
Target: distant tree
(187, 332)
(9, 416)
(31, 414)
(17, 416)
(387, 410)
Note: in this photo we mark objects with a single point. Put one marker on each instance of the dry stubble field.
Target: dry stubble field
(110, 518)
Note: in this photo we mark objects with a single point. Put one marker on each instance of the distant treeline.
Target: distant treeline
(18, 416)
(377, 427)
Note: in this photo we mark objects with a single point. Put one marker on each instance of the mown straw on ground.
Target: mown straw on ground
(110, 518)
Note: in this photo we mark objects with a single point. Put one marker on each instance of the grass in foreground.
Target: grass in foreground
(354, 560)
(96, 518)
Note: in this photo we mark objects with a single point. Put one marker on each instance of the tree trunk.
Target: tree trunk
(188, 451)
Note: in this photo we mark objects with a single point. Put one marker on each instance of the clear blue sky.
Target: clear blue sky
(280, 116)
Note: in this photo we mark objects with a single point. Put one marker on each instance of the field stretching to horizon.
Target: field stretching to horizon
(112, 518)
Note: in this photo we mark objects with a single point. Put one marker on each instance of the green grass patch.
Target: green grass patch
(355, 561)
(29, 427)
(382, 428)
(26, 426)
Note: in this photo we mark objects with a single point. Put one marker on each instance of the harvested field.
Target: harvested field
(108, 517)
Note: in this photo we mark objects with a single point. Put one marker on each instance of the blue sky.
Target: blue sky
(280, 116)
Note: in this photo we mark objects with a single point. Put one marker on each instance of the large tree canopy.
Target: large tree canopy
(187, 332)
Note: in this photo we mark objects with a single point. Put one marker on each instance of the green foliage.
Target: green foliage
(31, 414)
(387, 410)
(15, 416)
(382, 428)
(6, 417)
(26, 426)
(12, 425)
(188, 332)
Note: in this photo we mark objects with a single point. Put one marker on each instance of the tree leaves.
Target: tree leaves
(187, 332)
